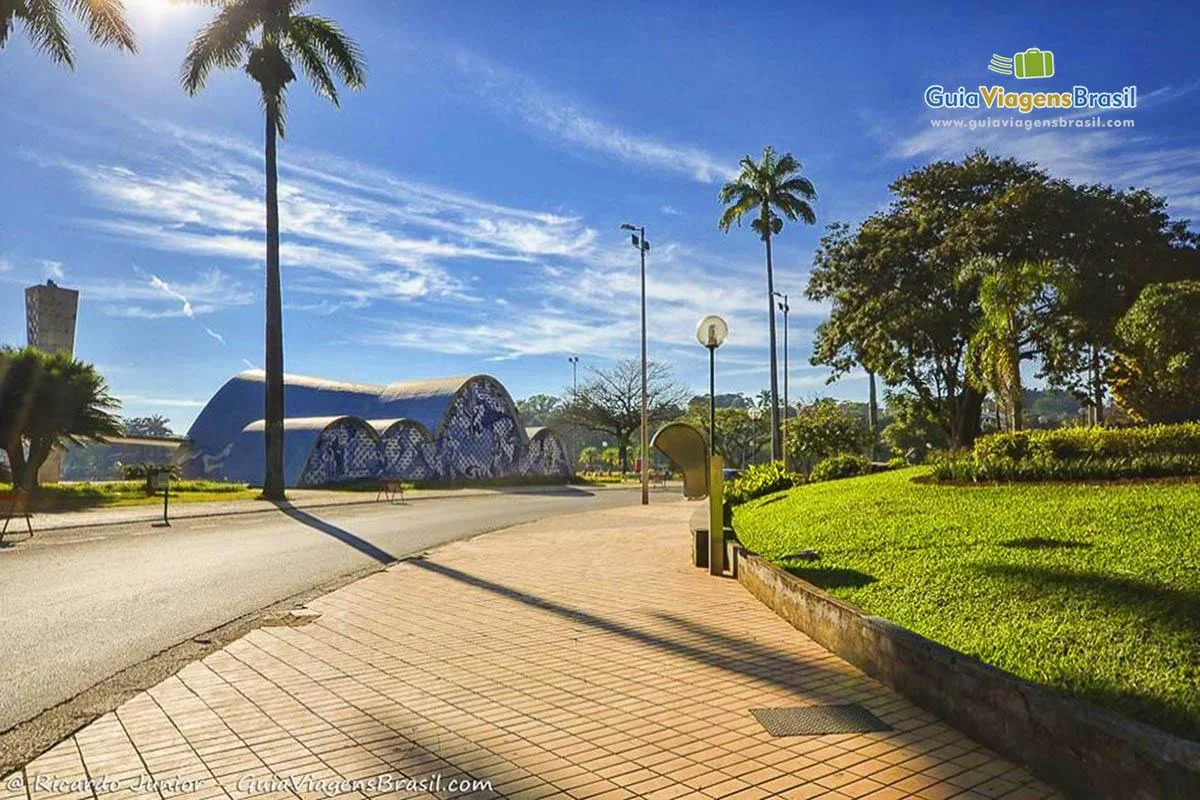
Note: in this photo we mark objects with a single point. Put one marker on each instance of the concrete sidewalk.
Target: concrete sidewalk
(299, 498)
(577, 657)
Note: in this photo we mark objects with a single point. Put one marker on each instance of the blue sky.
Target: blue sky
(461, 213)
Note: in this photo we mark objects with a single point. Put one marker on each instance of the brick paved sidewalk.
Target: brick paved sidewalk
(577, 657)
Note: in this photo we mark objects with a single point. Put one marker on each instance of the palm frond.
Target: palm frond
(313, 63)
(795, 208)
(106, 23)
(799, 185)
(219, 44)
(328, 46)
(734, 213)
(46, 31)
(735, 190)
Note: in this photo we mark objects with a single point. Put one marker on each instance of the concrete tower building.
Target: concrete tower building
(50, 312)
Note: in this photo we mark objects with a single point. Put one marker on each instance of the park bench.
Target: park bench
(15, 504)
(389, 489)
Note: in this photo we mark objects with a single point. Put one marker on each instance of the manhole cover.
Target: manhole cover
(816, 720)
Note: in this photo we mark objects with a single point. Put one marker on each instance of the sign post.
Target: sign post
(161, 479)
(716, 516)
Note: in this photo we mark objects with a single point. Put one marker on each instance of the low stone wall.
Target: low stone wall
(1085, 750)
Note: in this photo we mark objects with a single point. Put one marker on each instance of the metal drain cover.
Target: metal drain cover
(816, 720)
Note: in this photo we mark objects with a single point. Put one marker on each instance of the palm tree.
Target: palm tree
(771, 185)
(1010, 297)
(265, 37)
(47, 400)
(43, 23)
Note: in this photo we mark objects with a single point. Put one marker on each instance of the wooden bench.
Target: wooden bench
(15, 504)
(389, 488)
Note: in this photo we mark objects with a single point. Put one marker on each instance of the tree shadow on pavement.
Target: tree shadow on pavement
(342, 535)
(701, 643)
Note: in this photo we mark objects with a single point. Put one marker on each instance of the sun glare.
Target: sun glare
(151, 11)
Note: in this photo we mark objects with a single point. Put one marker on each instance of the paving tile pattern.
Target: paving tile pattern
(576, 657)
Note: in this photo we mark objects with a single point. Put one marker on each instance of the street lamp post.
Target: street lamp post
(574, 373)
(785, 308)
(711, 333)
(643, 246)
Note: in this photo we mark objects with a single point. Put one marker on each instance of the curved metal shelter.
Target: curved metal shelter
(447, 428)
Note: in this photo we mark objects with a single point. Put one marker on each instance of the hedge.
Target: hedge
(1077, 453)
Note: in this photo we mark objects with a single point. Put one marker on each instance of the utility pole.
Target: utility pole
(643, 246)
(785, 308)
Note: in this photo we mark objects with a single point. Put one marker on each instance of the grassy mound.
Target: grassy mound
(1091, 589)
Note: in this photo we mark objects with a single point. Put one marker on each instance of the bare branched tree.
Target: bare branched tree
(610, 401)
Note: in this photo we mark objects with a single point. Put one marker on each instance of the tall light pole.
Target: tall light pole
(711, 333)
(643, 246)
(574, 374)
(785, 308)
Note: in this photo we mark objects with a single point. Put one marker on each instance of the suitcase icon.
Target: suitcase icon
(1034, 63)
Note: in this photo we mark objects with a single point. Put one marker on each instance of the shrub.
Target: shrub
(1155, 373)
(1078, 453)
(146, 472)
(842, 465)
(821, 429)
(757, 480)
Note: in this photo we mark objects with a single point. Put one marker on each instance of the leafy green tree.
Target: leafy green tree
(740, 436)
(610, 401)
(821, 429)
(46, 401)
(265, 38)
(911, 428)
(1106, 245)
(1155, 372)
(539, 409)
(899, 307)
(763, 190)
(588, 457)
(47, 30)
(153, 425)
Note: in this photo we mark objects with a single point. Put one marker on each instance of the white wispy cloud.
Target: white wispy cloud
(167, 402)
(494, 281)
(150, 297)
(54, 269)
(357, 234)
(670, 211)
(165, 288)
(561, 117)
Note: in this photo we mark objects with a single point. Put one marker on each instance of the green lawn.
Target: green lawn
(107, 494)
(1090, 588)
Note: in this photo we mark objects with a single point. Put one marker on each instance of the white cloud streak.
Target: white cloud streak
(493, 281)
(561, 118)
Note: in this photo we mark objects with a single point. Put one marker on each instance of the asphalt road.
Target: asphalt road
(79, 606)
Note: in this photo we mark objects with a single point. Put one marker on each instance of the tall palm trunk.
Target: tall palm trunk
(273, 488)
(775, 437)
(1016, 389)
